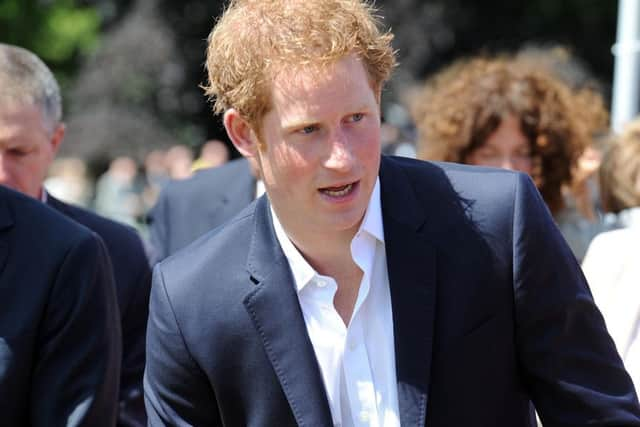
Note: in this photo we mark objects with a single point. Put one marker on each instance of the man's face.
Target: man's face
(27, 148)
(320, 150)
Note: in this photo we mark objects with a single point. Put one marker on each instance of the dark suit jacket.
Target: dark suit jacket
(133, 283)
(490, 312)
(189, 208)
(59, 331)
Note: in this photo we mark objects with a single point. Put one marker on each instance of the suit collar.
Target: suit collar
(411, 265)
(274, 308)
(6, 215)
(55, 203)
(6, 223)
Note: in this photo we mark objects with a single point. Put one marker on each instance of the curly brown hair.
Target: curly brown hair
(255, 39)
(461, 106)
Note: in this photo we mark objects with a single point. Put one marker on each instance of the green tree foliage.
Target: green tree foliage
(59, 31)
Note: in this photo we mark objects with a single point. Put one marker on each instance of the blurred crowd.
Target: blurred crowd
(127, 190)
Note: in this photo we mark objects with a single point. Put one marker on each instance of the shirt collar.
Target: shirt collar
(302, 271)
(372, 222)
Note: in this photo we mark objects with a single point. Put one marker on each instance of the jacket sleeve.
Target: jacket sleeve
(76, 375)
(177, 391)
(569, 362)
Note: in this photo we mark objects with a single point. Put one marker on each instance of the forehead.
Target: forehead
(313, 86)
(20, 120)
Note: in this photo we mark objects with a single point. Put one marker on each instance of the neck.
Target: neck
(329, 255)
(333, 258)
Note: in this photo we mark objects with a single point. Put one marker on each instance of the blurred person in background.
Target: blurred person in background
(213, 153)
(187, 209)
(31, 132)
(67, 180)
(612, 262)
(504, 113)
(119, 192)
(156, 176)
(179, 160)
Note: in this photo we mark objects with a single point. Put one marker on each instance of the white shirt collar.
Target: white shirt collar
(302, 271)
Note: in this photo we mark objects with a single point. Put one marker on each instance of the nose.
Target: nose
(340, 156)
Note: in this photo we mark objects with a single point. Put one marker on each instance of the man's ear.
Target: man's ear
(240, 133)
(57, 137)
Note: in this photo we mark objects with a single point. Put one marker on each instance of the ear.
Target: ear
(58, 136)
(240, 133)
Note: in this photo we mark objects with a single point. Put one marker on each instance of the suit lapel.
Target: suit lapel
(274, 308)
(411, 264)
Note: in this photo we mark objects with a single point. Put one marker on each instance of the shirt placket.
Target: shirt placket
(359, 380)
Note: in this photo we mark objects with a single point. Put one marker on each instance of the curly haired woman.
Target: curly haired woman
(508, 113)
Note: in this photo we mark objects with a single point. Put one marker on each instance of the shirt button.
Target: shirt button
(321, 283)
(364, 416)
(353, 345)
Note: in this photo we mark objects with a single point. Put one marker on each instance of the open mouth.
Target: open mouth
(340, 191)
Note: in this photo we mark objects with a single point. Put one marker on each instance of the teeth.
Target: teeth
(339, 193)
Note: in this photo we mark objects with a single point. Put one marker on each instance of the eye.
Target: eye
(357, 117)
(308, 129)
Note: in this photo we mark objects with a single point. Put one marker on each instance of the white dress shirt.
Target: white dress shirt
(357, 362)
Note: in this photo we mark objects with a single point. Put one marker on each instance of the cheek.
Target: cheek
(285, 167)
(369, 147)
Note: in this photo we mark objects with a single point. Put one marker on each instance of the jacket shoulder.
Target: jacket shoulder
(114, 234)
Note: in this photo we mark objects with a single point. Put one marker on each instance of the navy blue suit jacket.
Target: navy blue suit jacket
(490, 312)
(187, 209)
(133, 283)
(60, 342)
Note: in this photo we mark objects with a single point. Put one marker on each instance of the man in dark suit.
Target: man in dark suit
(30, 134)
(59, 334)
(187, 209)
(366, 291)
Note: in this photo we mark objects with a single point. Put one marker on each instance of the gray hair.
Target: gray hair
(24, 78)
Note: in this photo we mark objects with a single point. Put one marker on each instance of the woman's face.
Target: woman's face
(505, 148)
